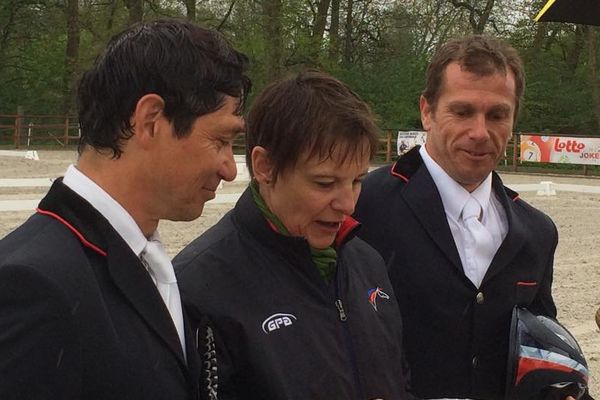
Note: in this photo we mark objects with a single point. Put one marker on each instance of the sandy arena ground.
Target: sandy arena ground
(577, 216)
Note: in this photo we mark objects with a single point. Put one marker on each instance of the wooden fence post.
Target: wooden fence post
(66, 130)
(18, 126)
(388, 147)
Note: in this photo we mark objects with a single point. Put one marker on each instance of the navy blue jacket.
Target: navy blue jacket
(455, 335)
(80, 317)
(280, 332)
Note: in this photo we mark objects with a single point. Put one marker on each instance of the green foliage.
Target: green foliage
(381, 51)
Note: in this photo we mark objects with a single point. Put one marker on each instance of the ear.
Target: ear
(426, 112)
(147, 116)
(261, 165)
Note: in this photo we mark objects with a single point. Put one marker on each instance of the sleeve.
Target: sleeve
(217, 371)
(39, 353)
(543, 303)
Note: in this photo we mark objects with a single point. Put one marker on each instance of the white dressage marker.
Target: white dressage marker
(547, 189)
(26, 182)
(28, 154)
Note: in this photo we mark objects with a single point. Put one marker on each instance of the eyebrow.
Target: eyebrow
(320, 175)
(462, 104)
(501, 107)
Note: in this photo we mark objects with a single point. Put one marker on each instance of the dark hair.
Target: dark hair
(311, 111)
(479, 54)
(190, 67)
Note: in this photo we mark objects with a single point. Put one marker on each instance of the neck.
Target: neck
(122, 179)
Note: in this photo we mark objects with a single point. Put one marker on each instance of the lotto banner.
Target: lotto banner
(560, 149)
(409, 139)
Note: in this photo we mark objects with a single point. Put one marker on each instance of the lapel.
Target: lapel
(191, 346)
(423, 199)
(129, 274)
(124, 267)
(517, 230)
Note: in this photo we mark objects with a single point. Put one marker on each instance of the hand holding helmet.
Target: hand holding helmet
(544, 360)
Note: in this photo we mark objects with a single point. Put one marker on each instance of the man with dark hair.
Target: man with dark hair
(89, 304)
(462, 249)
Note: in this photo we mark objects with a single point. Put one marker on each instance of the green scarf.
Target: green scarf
(324, 259)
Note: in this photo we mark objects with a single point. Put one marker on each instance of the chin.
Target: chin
(189, 214)
(321, 243)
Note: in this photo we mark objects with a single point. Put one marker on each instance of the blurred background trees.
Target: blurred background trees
(379, 47)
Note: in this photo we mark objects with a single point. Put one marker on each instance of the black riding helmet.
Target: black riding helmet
(544, 360)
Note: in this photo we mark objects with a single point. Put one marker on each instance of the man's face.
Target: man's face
(189, 169)
(469, 128)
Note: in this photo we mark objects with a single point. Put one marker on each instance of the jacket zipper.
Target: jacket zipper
(346, 330)
(340, 308)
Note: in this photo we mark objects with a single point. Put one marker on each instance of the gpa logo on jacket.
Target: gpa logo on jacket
(374, 294)
(277, 321)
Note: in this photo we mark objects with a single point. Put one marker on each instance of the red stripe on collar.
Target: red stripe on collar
(397, 175)
(347, 226)
(272, 225)
(74, 230)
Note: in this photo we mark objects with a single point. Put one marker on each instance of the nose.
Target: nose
(228, 169)
(479, 129)
(345, 200)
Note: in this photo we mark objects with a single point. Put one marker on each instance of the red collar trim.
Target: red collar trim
(272, 225)
(74, 230)
(348, 226)
(396, 174)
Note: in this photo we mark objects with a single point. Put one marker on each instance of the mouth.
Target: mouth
(332, 227)
(212, 192)
(478, 155)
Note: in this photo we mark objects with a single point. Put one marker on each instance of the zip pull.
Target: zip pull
(340, 308)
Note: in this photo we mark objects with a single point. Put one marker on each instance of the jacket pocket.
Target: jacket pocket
(525, 292)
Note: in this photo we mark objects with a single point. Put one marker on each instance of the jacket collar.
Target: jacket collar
(123, 266)
(410, 163)
(252, 220)
(424, 200)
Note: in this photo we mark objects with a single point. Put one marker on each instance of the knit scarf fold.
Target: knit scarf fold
(324, 259)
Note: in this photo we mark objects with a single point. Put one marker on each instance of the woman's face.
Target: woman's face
(313, 198)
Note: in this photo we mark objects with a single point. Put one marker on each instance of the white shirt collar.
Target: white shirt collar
(454, 196)
(116, 215)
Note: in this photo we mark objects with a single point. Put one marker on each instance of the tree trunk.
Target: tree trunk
(190, 9)
(348, 30)
(112, 11)
(478, 18)
(136, 11)
(71, 56)
(318, 30)
(272, 31)
(594, 80)
(574, 52)
(320, 20)
(334, 31)
(6, 28)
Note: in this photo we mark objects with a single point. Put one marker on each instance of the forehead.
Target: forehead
(460, 83)
(339, 158)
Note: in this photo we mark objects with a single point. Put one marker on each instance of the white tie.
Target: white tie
(161, 269)
(480, 248)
